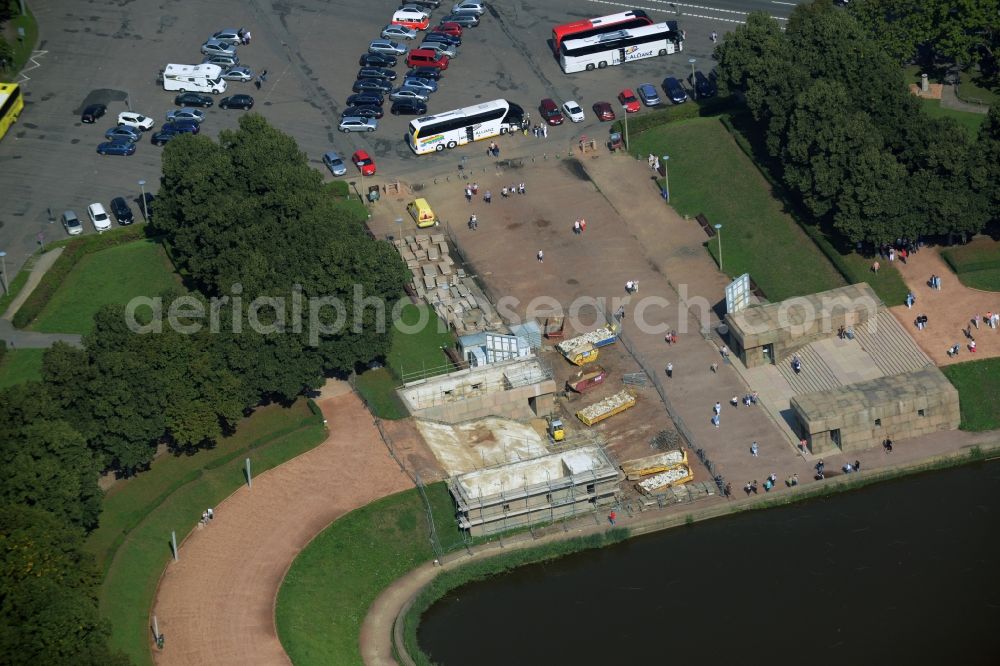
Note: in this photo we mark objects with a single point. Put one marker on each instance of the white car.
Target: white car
(573, 111)
(136, 120)
(358, 124)
(410, 14)
(394, 31)
(99, 216)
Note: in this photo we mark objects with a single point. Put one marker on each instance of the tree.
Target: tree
(984, 170)
(48, 594)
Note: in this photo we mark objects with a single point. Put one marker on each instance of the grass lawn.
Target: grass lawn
(22, 48)
(977, 264)
(20, 366)
(978, 384)
(988, 280)
(710, 174)
(378, 389)
(970, 121)
(132, 544)
(16, 285)
(327, 591)
(115, 275)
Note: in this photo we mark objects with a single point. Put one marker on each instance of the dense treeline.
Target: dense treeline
(848, 138)
(244, 218)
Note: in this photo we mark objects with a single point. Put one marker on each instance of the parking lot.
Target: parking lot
(111, 52)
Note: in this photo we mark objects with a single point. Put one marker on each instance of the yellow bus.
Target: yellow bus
(11, 104)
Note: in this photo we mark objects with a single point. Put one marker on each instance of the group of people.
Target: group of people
(920, 322)
(632, 287)
(541, 131)
(244, 36)
(748, 399)
(471, 191)
(513, 189)
(579, 226)
(207, 515)
(493, 150)
(934, 282)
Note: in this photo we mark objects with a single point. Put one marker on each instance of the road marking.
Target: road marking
(690, 14)
(777, 2)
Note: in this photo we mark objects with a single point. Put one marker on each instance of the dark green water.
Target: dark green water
(905, 572)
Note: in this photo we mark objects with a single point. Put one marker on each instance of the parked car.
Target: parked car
(386, 47)
(453, 29)
(428, 85)
(414, 7)
(443, 37)
(121, 210)
(223, 61)
(364, 162)
(357, 124)
(469, 7)
(334, 163)
(71, 223)
(185, 114)
(182, 127)
(242, 74)
(648, 94)
(408, 107)
(432, 73)
(123, 132)
(628, 100)
(442, 49)
(467, 20)
(396, 31)
(136, 120)
(408, 94)
(99, 217)
(92, 112)
(604, 111)
(426, 4)
(426, 58)
(412, 17)
(376, 73)
(362, 112)
(573, 111)
(377, 60)
(674, 90)
(116, 148)
(146, 205)
(372, 85)
(218, 47)
(244, 102)
(190, 99)
(160, 138)
(704, 86)
(365, 99)
(550, 112)
(228, 35)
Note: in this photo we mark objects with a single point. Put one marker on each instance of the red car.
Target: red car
(426, 58)
(629, 101)
(550, 111)
(604, 111)
(364, 162)
(449, 28)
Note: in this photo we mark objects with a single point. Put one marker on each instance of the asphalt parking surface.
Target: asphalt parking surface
(111, 51)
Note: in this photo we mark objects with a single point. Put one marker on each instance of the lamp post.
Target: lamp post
(666, 176)
(718, 232)
(693, 88)
(145, 211)
(625, 110)
(3, 270)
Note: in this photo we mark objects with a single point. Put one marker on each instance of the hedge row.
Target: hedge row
(73, 251)
(671, 114)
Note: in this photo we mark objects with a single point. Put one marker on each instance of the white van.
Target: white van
(195, 78)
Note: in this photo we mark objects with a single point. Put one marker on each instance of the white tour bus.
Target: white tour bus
(455, 128)
(195, 78)
(614, 48)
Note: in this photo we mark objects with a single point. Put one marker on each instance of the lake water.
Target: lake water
(904, 572)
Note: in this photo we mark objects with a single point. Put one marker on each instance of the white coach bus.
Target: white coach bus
(615, 48)
(195, 78)
(428, 134)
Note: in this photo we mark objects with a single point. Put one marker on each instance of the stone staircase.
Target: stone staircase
(890, 346)
(816, 375)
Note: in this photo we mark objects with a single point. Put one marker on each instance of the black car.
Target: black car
(365, 99)
(674, 89)
(444, 38)
(376, 73)
(237, 102)
(704, 86)
(465, 20)
(161, 137)
(372, 85)
(362, 112)
(146, 205)
(193, 99)
(410, 107)
(92, 113)
(121, 211)
(377, 60)
(432, 73)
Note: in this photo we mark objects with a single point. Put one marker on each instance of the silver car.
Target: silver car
(334, 163)
(185, 114)
(393, 31)
(358, 124)
(441, 48)
(408, 93)
(386, 47)
(216, 47)
(469, 7)
(243, 74)
(223, 61)
(72, 223)
(229, 35)
(426, 85)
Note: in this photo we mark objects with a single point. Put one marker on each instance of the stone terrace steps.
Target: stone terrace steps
(816, 375)
(890, 346)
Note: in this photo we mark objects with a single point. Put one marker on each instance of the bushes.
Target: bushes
(75, 250)
(671, 114)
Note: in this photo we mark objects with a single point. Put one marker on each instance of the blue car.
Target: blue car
(116, 148)
(648, 95)
(123, 132)
(182, 126)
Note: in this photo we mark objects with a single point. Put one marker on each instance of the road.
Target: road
(110, 52)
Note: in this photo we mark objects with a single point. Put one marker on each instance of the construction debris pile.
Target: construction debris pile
(607, 408)
(659, 482)
(445, 286)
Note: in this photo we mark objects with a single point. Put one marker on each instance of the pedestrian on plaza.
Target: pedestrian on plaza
(204, 517)
(670, 370)
(468, 194)
(256, 83)
(888, 446)
(747, 489)
(754, 397)
(718, 408)
(263, 76)
(753, 486)
(583, 225)
(211, 513)
(521, 189)
(475, 188)
(715, 420)
(728, 490)
(767, 485)
(724, 351)
(540, 256)
(975, 321)
(857, 465)
(473, 222)
(576, 227)
(734, 401)
(754, 450)
(488, 197)
(714, 368)
(503, 192)
(545, 131)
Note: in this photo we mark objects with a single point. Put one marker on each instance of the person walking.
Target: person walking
(670, 370)
(488, 197)
(468, 194)
(540, 256)
(576, 227)
(857, 465)
(611, 517)
(718, 408)
(754, 450)
(747, 489)
(715, 420)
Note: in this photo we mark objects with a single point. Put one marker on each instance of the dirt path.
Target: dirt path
(949, 310)
(216, 604)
